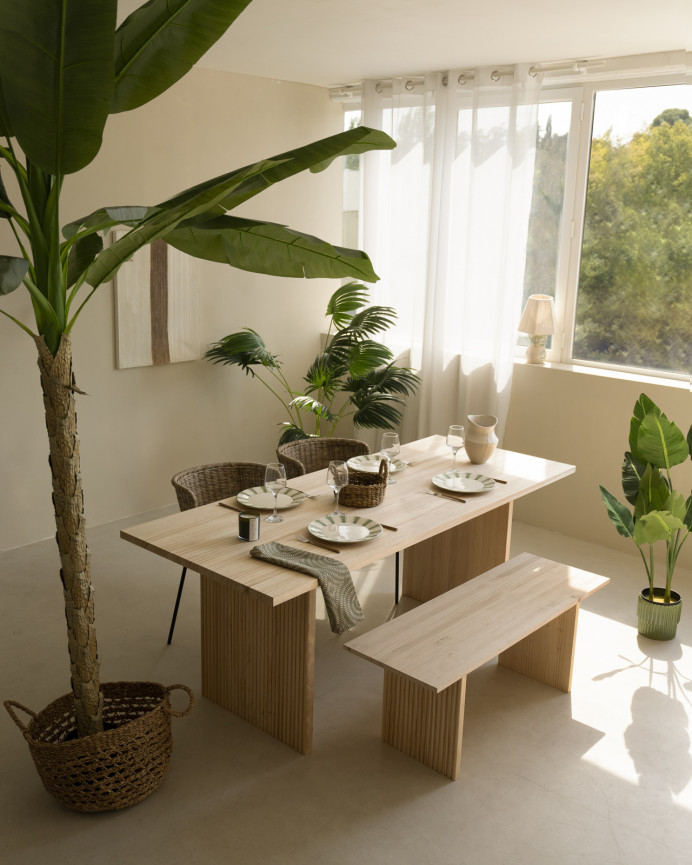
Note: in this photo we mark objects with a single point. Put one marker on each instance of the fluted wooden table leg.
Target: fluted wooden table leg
(258, 660)
(450, 558)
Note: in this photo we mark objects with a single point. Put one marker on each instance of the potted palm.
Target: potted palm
(659, 514)
(64, 68)
(352, 377)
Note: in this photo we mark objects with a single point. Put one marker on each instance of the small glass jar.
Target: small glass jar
(248, 526)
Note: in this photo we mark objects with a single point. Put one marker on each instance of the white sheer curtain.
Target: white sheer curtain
(445, 220)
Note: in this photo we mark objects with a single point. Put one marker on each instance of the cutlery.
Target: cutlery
(391, 528)
(445, 496)
(232, 507)
(318, 544)
(499, 481)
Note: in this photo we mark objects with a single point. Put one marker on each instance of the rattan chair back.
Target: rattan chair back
(208, 483)
(310, 455)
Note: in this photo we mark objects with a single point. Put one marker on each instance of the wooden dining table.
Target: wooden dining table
(258, 619)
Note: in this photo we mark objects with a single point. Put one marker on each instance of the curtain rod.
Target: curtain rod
(353, 92)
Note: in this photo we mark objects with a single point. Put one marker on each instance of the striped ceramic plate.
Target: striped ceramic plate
(463, 482)
(345, 529)
(371, 463)
(263, 499)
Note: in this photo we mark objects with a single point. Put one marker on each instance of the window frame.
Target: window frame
(583, 98)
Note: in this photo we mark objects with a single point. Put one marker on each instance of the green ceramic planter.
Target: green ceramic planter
(658, 621)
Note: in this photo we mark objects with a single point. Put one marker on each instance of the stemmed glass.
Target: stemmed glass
(389, 447)
(337, 478)
(275, 481)
(455, 441)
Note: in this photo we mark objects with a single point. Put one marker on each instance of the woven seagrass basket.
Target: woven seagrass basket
(110, 770)
(365, 489)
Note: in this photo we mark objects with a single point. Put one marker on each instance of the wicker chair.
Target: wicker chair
(202, 485)
(309, 455)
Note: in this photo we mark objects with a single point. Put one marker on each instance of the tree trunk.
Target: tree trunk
(57, 382)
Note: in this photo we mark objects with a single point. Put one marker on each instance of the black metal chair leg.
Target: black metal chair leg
(396, 577)
(177, 604)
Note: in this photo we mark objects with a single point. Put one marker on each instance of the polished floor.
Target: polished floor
(600, 776)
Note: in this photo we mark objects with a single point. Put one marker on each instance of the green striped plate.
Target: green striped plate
(263, 499)
(463, 482)
(345, 529)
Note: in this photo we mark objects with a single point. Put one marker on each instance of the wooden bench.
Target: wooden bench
(524, 611)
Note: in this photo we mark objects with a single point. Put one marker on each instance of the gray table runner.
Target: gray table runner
(341, 601)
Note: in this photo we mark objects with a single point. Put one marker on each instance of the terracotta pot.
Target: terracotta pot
(480, 438)
(658, 621)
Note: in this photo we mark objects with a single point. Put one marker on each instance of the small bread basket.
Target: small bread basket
(365, 489)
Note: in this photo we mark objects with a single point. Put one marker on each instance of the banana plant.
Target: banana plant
(659, 513)
(65, 67)
(353, 376)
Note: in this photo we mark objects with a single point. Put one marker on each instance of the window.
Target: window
(610, 229)
(634, 300)
(611, 224)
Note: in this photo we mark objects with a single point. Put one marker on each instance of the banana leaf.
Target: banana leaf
(56, 68)
(161, 41)
(265, 247)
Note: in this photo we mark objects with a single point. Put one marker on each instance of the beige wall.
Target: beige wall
(139, 426)
(583, 418)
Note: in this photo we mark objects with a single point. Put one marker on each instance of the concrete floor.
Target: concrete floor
(600, 776)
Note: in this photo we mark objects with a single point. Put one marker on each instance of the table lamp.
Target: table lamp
(538, 321)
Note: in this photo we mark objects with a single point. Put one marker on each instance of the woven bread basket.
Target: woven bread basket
(110, 770)
(365, 489)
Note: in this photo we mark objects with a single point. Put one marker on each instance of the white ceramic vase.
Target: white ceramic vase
(480, 438)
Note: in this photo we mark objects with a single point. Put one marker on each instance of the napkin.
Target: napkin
(343, 608)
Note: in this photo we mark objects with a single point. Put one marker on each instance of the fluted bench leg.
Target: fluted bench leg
(548, 653)
(424, 724)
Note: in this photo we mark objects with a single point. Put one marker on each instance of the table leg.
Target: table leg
(450, 558)
(258, 661)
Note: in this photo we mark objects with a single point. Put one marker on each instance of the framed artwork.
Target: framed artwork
(156, 307)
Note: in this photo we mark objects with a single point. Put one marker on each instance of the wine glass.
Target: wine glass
(275, 481)
(455, 441)
(389, 447)
(337, 478)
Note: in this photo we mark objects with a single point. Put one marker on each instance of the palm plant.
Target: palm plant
(351, 364)
(64, 68)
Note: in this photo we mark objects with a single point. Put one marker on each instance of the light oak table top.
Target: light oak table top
(205, 539)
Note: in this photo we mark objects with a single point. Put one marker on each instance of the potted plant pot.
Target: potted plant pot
(658, 620)
(113, 769)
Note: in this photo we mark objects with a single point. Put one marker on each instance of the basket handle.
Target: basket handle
(383, 471)
(187, 711)
(11, 705)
